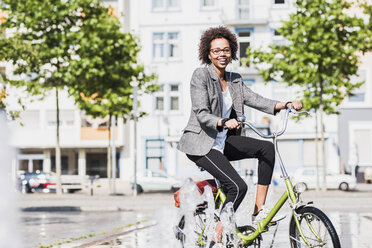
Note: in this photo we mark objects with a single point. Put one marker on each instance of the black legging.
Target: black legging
(237, 148)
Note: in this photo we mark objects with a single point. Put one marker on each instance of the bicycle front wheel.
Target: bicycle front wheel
(316, 227)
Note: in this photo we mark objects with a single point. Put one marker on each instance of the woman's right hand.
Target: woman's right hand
(232, 124)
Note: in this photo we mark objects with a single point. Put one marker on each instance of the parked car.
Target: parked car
(334, 181)
(37, 181)
(156, 181)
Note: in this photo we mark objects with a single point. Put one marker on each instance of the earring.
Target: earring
(209, 56)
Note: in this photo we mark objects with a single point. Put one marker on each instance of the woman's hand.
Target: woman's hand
(297, 105)
(232, 123)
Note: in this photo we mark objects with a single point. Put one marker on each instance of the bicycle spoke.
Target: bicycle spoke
(317, 230)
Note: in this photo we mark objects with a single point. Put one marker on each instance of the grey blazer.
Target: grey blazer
(206, 99)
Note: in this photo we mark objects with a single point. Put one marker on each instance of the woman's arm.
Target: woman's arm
(297, 105)
(257, 101)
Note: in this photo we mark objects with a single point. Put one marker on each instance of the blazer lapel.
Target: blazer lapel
(234, 92)
(214, 76)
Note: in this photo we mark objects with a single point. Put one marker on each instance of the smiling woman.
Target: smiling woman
(212, 137)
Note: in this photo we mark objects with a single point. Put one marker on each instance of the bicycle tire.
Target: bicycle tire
(322, 225)
(200, 219)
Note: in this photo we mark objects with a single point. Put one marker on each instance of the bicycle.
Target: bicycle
(309, 226)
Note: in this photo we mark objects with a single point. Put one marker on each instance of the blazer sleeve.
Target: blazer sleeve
(257, 101)
(200, 100)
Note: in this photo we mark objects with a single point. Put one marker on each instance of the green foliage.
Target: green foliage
(105, 65)
(75, 45)
(324, 44)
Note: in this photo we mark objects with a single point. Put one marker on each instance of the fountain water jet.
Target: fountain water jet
(9, 233)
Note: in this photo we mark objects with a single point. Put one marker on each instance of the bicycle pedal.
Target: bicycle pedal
(273, 223)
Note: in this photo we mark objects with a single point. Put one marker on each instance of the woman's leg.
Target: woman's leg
(240, 147)
(219, 166)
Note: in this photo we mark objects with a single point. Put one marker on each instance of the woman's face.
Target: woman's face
(220, 53)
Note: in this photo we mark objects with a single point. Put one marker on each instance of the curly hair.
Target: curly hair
(214, 33)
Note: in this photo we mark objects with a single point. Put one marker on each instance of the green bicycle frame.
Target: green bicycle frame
(289, 193)
(220, 198)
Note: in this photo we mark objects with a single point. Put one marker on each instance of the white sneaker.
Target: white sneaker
(262, 214)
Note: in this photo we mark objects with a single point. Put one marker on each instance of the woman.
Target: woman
(217, 98)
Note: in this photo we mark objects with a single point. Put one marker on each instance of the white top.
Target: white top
(219, 143)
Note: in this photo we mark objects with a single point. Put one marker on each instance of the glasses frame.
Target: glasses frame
(217, 51)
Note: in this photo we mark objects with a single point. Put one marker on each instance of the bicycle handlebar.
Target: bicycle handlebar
(242, 121)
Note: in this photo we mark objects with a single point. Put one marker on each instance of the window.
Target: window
(173, 4)
(30, 118)
(158, 4)
(278, 38)
(166, 46)
(174, 97)
(154, 154)
(207, 4)
(167, 98)
(159, 99)
(158, 45)
(173, 51)
(360, 93)
(64, 165)
(165, 5)
(66, 118)
(244, 39)
(279, 1)
(243, 10)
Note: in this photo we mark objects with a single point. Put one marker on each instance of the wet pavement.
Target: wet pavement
(354, 230)
(350, 212)
(61, 228)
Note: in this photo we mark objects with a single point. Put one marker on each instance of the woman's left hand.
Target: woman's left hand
(297, 105)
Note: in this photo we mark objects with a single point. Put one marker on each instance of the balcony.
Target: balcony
(245, 22)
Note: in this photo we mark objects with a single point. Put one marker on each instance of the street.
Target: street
(350, 212)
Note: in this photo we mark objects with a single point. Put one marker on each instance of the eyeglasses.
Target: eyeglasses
(218, 51)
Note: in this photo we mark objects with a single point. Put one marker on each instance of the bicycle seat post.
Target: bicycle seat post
(218, 184)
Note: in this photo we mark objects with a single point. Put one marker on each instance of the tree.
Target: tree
(323, 49)
(42, 44)
(105, 65)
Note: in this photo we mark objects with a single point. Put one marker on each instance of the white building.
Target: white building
(169, 33)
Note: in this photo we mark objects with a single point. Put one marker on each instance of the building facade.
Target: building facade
(169, 33)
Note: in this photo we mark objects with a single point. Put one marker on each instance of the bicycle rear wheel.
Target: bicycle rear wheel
(198, 228)
(248, 230)
(316, 227)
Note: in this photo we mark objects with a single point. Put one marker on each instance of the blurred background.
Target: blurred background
(168, 33)
(93, 90)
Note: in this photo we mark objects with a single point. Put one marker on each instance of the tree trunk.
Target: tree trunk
(321, 110)
(58, 150)
(109, 156)
(323, 149)
(317, 152)
(113, 153)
